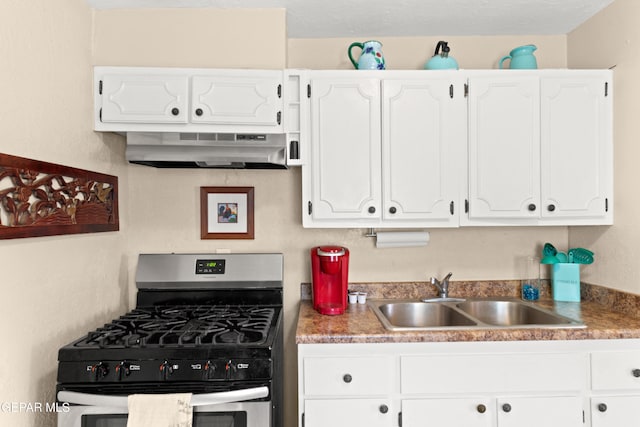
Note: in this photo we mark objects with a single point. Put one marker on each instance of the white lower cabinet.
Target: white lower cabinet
(348, 391)
(527, 411)
(508, 389)
(616, 380)
(615, 411)
(577, 383)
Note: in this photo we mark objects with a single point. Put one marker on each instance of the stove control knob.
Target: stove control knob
(166, 369)
(99, 370)
(209, 370)
(230, 369)
(122, 370)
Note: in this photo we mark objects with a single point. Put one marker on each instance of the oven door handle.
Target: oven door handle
(196, 400)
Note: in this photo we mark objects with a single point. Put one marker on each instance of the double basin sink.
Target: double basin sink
(409, 315)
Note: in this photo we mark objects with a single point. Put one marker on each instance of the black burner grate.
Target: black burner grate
(184, 326)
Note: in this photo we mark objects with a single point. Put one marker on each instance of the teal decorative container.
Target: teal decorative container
(565, 282)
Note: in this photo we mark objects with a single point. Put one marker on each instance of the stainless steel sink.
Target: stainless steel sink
(469, 314)
(421, 315)
(511, 313)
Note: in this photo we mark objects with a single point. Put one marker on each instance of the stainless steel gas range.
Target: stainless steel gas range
(207, 324)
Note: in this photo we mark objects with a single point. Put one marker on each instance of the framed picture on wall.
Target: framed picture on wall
(226, 213)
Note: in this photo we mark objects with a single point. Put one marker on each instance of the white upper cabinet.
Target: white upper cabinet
(153, 98)
(345, 150)
(385, 149)
(423, 133)
(231, 99)
(134, 99)
(504, 147)
(540, 148)
(576, 147)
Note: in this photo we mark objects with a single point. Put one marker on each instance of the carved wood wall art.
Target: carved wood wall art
(44, 199)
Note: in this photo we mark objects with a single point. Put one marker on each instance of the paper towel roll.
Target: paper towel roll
(401, 239)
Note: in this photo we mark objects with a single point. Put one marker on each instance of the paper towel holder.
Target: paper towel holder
(412, 238)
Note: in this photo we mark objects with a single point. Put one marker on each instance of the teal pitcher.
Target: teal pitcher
(521, 58)
(371, 56)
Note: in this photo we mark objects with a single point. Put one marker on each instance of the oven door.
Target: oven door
(210, 410)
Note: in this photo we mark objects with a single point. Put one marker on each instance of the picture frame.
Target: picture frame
(226, 213)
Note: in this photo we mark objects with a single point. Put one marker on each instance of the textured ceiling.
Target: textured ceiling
(388, 18)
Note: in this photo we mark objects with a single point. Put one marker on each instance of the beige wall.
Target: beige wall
(53, 288)
(612, 38)
(224, 38)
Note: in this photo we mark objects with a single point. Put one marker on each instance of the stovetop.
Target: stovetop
(197, 331)
(178, 326)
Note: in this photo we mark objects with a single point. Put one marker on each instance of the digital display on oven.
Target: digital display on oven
(210, 266)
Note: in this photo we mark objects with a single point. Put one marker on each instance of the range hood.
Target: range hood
(207, 150)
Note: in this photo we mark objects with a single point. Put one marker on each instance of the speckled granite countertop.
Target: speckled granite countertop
(607, 314)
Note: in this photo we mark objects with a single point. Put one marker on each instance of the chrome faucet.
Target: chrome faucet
(443, 287)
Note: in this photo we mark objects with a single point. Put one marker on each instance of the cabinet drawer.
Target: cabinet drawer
(349, 413)
(485, 373)
(615, 370)
(341, 376)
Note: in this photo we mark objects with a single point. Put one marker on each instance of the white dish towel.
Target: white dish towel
(160, 410)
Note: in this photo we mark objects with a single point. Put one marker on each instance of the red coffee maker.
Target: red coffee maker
(330, 271)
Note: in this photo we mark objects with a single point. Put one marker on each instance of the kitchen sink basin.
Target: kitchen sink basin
(511, 313)
(421, 315)
(408, 315)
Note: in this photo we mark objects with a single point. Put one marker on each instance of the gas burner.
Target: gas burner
(168, 326)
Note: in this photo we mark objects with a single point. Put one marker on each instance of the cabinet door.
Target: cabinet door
(462, 412)
(504, 147)
(615, 411)
(423, 129)
(560, 411)
(150, 98)
(349, 413)
(237, 100)
(575, 147)
(345, 149)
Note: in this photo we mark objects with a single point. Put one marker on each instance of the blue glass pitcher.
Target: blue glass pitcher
(521, 58)
(371, 57)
